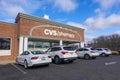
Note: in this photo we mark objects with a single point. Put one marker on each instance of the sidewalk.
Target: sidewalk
(6, 62)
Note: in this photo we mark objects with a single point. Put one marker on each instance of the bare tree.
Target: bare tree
(111, 41)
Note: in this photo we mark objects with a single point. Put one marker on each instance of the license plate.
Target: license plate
(71, 53)
(43, 58)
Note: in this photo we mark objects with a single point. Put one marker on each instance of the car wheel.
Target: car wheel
(57, 60)
(71, 61)
(47, 65)
(79, 57)
(93, 57)
(25, 64)
(103, 55)
(87, 56)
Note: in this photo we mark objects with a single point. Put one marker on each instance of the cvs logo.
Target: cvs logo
(50, 32)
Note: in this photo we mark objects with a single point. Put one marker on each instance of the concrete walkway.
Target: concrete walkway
(6, 62)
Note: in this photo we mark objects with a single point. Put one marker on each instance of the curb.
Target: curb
(6, 62)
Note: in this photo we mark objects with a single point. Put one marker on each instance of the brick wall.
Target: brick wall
(26, 25)
(8, 30)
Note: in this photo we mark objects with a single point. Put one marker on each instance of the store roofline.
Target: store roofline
(43, 20)
(8, 23)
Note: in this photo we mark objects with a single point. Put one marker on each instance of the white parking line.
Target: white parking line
(110, 63)
(19, 69)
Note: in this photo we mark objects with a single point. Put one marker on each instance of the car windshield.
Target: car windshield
(86, 49)
(37, 52)
(93, 49)
(99, 49)
(106, 49)
(69, 48)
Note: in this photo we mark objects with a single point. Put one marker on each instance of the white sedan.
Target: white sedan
(33, 58)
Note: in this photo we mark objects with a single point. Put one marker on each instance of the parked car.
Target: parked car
(87, 53)
(104, 51)
(62, 54)
(33, 58)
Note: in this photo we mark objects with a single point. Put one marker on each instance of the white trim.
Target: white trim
(82, 44)
(6, 52)
(25, 43)
(61, 42)
(20, 45)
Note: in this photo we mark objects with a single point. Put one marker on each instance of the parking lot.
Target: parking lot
(101, 68)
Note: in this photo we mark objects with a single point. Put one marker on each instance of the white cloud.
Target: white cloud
(14, 10)
(102, 23)
(97, 10)
(89, 38)
(117, 32)
(65, 5)
(91, 25)
(10, 8)
(106, 4)
(77, 25)
(113, 20)
(100, 12)
(107, 7)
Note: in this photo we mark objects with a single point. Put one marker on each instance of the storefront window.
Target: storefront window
(46, 45)
(55, 44)
(30, 44)
(38, 45)
(5, 43)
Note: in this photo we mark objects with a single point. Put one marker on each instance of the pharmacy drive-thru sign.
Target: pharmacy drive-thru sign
(33, 33)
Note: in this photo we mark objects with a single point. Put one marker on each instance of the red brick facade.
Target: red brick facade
(24, 25)
(8, 30)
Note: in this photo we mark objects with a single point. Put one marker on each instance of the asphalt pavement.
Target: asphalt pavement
(101, 68)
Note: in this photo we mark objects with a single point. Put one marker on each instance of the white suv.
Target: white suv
(104, 51)
(87, 53)
(62, 53)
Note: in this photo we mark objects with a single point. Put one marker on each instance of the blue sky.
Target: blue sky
(97, 17)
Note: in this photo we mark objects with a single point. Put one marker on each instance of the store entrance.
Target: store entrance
(41, 44)
(44, 44)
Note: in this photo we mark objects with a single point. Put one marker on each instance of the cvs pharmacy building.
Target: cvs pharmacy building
(33, 33)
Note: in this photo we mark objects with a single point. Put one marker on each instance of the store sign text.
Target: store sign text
(58, 33)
